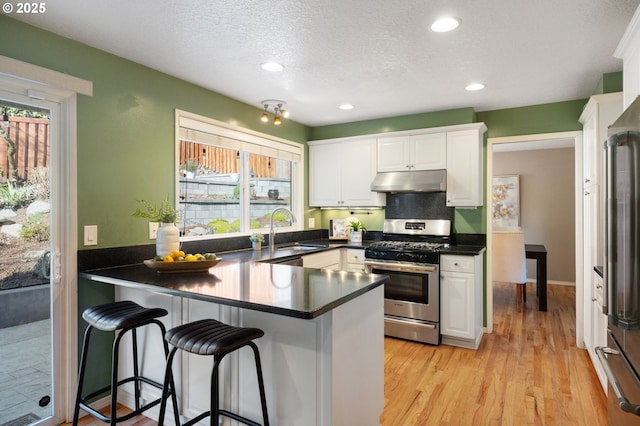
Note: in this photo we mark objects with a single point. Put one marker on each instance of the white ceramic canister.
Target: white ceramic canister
(167, 239)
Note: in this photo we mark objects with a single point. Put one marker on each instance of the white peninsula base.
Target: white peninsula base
(323, 371)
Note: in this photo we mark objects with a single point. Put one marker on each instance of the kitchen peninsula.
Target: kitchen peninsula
(322, 352)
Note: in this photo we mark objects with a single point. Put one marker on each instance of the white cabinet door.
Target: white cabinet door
(461, 300)
(429, 151)
(358, 171)
(412, 152)
(329, 259)
(464, 168)
(598, 327)
(324, 175)
(341, 172)
(353, 260)
(456, 296)
(394, 154)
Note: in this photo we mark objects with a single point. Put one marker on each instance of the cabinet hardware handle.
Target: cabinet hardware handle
(593, 299)
(586, 193)
(587, 180)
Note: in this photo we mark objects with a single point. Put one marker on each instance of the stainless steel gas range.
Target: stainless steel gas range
(409, 255)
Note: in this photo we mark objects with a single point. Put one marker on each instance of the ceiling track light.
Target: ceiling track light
(279, 111)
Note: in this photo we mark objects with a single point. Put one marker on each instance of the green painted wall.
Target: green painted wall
(394, 124)
(126, 129)
(530, 120)
(609, 83)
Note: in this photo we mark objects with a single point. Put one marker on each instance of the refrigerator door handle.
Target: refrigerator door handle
(623, 402)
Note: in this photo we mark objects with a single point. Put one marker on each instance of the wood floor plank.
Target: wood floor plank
(527, 372)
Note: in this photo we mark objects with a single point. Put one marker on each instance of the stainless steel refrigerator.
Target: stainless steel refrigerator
(621, 357)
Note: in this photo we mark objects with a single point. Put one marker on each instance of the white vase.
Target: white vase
(356, 237)
(167, 239)
(257, 245)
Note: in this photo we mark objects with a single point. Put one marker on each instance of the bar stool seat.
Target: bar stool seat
(124, 316)
(211, 337)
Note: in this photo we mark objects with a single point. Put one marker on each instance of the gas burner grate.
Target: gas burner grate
(406, 245)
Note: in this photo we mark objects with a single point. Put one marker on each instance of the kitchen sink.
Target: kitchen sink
(303, 247)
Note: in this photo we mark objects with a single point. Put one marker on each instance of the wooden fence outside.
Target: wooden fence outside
(224, 160)
(31, 137)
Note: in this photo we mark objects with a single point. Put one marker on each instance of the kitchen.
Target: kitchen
(131, 86)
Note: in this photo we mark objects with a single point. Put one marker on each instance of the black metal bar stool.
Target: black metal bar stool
(124, 316)
(211, 337)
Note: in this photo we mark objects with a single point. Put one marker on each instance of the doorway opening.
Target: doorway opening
(25, 243)
(524, 146)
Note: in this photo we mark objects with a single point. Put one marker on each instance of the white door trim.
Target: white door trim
(577, 138)
(58, 92)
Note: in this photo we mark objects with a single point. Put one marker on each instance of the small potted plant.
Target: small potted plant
(256, 240)
(189, 168)
(356, 229)
(168, 235)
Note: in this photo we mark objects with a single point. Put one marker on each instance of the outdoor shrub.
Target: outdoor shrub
(14, 196)
(36, 228)
(38, 181)
(220, 225)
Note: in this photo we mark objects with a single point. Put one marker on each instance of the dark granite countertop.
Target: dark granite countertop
(465, 250)
(599, 270)
(245, 280)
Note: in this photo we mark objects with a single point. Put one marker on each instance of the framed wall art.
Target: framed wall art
(506, 201)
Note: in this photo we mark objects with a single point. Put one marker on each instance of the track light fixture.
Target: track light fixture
(279, 111)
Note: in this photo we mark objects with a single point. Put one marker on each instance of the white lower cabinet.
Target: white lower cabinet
(461, 300)
(352, 260)
(343, 259)
(598, 332)
(330, 259)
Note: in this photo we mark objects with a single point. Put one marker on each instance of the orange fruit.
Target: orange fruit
(168, 259)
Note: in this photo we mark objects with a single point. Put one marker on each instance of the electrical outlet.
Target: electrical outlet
(153, 230)
(91, 235)
(312, 222)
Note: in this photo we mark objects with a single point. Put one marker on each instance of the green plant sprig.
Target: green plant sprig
(165, 213)
(356, 225)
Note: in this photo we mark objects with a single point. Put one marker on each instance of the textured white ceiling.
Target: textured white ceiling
(378, 55)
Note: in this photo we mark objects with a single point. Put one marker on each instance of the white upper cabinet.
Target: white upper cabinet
(340, 173)
(464, 167)
(341, 170)
(599, 113)
(412, 152)
(629, 51)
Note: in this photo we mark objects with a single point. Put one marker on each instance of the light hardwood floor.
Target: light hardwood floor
(528, 371)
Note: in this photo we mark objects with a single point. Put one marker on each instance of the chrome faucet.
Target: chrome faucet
(272, 231)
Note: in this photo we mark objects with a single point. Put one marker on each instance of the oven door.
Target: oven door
(413, 290)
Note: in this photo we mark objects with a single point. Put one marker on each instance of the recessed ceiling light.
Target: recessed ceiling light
(474, 87)
(447, 23)
(272, 67)
(346, 107)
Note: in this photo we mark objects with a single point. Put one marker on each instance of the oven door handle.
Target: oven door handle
(400, 268)
(405, 321)
(623, 402)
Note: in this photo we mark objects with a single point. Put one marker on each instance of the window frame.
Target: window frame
(199, 123)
